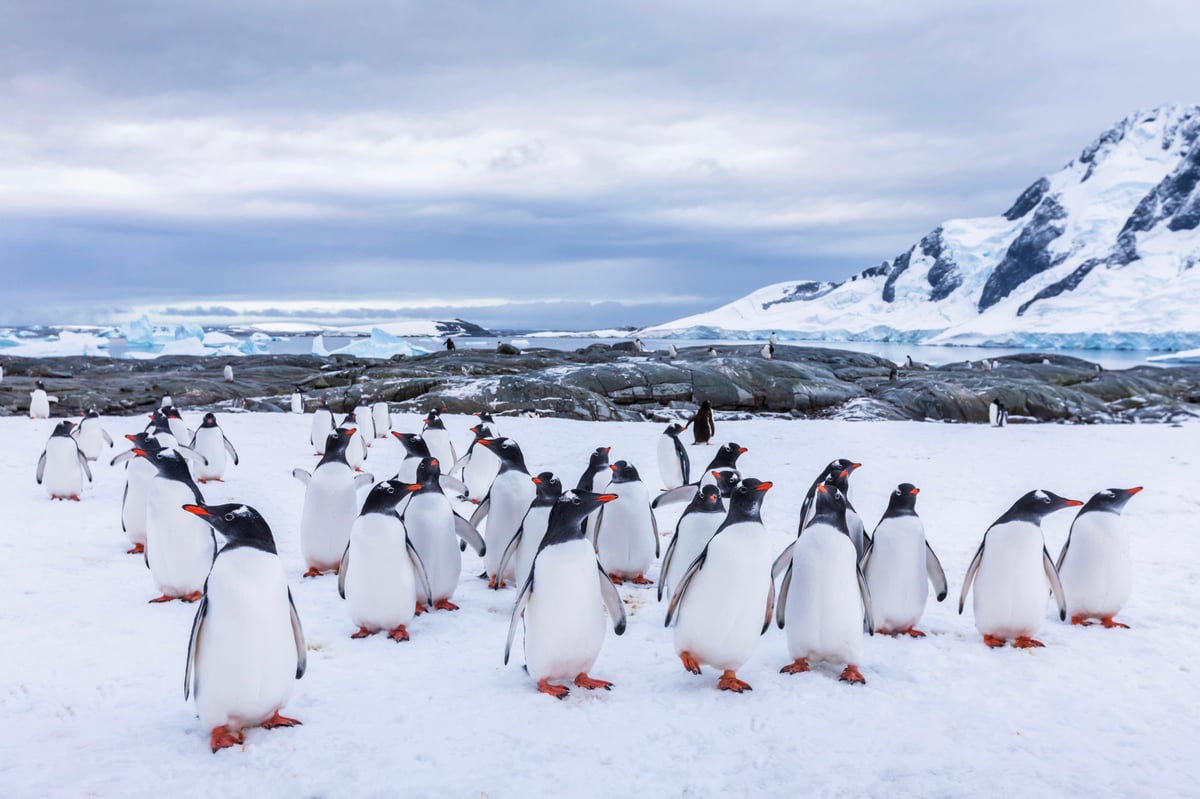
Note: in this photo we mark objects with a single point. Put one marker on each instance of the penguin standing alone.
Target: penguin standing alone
(210, 442)
(297, 401)
(1096, 565)
(39, 401)
(673, 464)
(703, 426)
(62, 466)
(899, 565)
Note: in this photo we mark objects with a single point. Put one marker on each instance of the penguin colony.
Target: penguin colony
(397, 554)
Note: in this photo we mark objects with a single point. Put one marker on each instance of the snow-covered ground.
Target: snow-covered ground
(91, 676)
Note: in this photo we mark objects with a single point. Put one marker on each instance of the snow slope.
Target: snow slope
(1098, 255)
(91, 675)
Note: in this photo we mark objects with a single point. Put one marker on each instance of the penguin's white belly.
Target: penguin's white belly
(330, 507)
(246, 654)
(480, 470)
(381, 587)
(511, 495)
(1011, 587)
(138, 475)
(210, 442)
(824, 614)
(297, 403)
(63, 476)
(366, 424)
(381, 418)
(535, 525)
(896, 574)
(694, 532)
(1097, 573)
(356, 451)
(564, 618)
(39, 405)
(91, 439)
(626, 540)
(440, 447)
(429, 520)
(721, 616)
(669, 467)
(179, 546)
(179, 429)
(322, 426)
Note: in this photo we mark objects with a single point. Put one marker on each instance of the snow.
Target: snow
(92, 678)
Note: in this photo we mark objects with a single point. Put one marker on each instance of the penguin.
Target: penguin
(841, 468)
(672, 352)
(525, 543)
(773, 340)
(247, 647)
(767, 351)
(673, 464)
(91, 436)
(900, 565)
(210, 441)
(138, 474)
(415, 450)
(725, 598)
(356, 447)
(176, 425)
(297, 401)
(434, 529)
(381, 417)
(479, 465)
(62, 466)
(994, 412)
(330, 505)
(1095, 565)
(696, 526)
(826, 591)
(626, 530)
(166, 402)
(486, 418)
(364, 417)
(511, 494)
(703, 426)
(435, 434)
(597, 471)
(725, 460)
(322, 426)
(564, 621)
(179, 547)
(228, 373)
(381, 576)
(39, 401)
(1010, 572)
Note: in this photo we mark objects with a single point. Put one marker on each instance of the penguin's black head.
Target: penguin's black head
(727, 456)
(414, 445)
(707, 500)
(599, 457)
(338, 439)
(842, 468)
(1036, 505)
(1111, 500)
(39, 384)
(567, 513)
(91, 413)
(485, 418)
(167, 460)
(903, 501)
(171, 412)
(507, 450)
(210, 420)
(241, 525)
(63, 428)
(384, 497)
(727, 481)
(829, 507)
(624, 472)
(674, 429)
(428, 471)
(745, 504)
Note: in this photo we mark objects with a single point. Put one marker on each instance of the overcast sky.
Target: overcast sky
(530, 164)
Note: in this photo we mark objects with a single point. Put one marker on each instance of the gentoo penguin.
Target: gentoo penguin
(1010, 571)
(672, 352)
(525, 543)
(381, 576)
(179, 547)
(900, 566)
(138, 474)
(228, 373)
(673, 464)
(364, 416)
(435, 434)
(91, 436)
(415, 450)
(597, 472)
(725, 460)
(703, 426)
(39, 401)
(356, 447)
(994, 412)
(824, 588)
(486, 418)
(297, 401)
(564, 623)
(626, 530)
(322, 426)
(767, 351)
(434, 529)
(166, 402)
(62, 466)
(841, 468)
(381, 417)
(246, 647)
(773, 340)
(725, 598)
(1095, 564)
(176, 425)
(210, 441)
(696, 526)
(330, 505)
(504, 507)
(479, 465)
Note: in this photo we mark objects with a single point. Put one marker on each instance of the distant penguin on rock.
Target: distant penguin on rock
(899, 565)
(91, 436)
(672, 352)
(62, 466)
(1096, 564)
(228, 373)
(39, 401)
(297, 401)
(210, 442)
(626, 531)
(702, 424)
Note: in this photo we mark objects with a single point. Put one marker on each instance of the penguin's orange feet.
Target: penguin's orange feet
(797, 666)
(74, 497)
(852, 675)
(1081, 620)
(279, 721)
(445, 604)
(730, 682)
(993, 641)
(137, 549)
(191, 597)
(420, 609)
(913, 632)
(689, 662)
(616, 579)
(160, 599)
(223, 738)
(584, 681)
(556, 691)
(363, 632)
(399, 634)
(313, 571)
(1025, 642)
(358, 469)
(1107, 621)
(641, 580)
(496, 582)
(201, 480)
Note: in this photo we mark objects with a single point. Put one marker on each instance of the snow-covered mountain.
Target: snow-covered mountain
(1097, 255)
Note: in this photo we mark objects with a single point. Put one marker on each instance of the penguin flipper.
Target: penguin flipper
(229, 448)
(783, 561)
(124, 499)
(666, 564)
(470, 535)
(124, 456)
(419, 568)
(454, 484)
(191, 454)
(1055, 584)
(933, 567)
(87, 470)
(685, 463)
(612, 601)
(363, 479)
(657, 539)
(518, 613)
(301, 475)
(194, 647)
(683, 493)
(596, 528)
(343, 567)
(509, 551)
(1063, 555)
(783, 595)
(41, 468)
(865, 594)
(970, 578)
(481, 512)
(107, 437)
(770, 609)
(692, 571)
(298, 636)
